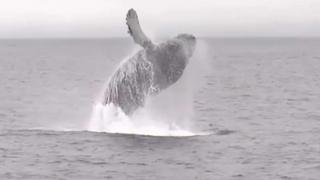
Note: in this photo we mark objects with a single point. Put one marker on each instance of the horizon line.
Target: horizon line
(163, 37)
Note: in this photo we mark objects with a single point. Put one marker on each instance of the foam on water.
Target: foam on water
(109, 118)
(170, 113)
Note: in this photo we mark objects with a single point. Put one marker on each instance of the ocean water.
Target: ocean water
(253, 113)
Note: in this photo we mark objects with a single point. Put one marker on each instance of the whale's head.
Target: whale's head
(188, 42)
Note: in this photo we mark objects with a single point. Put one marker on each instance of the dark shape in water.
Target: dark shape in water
(149, 71)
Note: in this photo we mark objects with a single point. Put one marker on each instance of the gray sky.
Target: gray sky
(106, 18)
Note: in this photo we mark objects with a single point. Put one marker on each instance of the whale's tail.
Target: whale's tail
(134, 29)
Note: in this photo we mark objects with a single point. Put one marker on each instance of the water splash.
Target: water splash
(111, 119)
(169, 113)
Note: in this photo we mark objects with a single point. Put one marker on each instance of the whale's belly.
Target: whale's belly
(147, 73)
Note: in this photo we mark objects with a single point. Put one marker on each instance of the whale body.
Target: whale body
(148, 72)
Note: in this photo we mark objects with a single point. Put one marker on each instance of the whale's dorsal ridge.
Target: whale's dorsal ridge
(134, 29)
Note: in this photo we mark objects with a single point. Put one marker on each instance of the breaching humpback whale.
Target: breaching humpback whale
(150, 70)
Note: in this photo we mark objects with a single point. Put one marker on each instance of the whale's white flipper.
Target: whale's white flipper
(134, 29)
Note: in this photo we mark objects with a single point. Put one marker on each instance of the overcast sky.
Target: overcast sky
(106, 18)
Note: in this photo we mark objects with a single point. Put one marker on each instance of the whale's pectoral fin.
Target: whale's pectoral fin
(135, 30)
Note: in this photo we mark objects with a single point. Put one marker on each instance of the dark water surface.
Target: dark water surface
(260, 102)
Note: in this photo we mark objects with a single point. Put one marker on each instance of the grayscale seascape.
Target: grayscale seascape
(258, 106)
